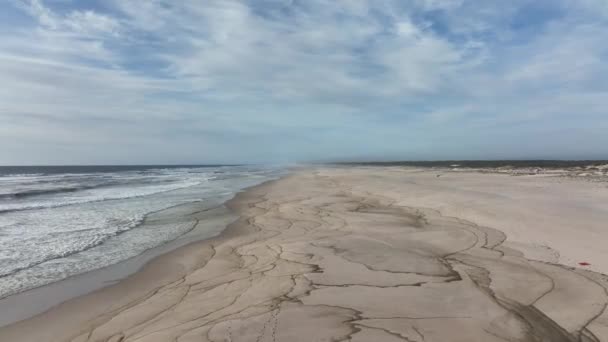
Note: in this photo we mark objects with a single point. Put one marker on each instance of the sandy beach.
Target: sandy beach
(370, 254)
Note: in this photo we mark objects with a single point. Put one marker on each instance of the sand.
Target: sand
(369, 254)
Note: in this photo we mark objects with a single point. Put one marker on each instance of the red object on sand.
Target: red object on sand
(584, 263)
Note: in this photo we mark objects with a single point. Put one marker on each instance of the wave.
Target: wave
(40, 192)
(13, 207)
(76, 248)
(95, 184)
(100, 239)
(20, 175)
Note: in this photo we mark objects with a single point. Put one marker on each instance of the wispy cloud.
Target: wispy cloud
(227, 81)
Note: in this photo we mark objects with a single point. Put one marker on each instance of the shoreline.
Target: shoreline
(332, 248)
(36, 301)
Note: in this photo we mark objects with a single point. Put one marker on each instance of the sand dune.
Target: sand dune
(369, 254)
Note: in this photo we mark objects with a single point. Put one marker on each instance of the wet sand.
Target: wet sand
(369, 254)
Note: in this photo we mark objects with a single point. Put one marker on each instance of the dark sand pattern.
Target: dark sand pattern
(310, 260)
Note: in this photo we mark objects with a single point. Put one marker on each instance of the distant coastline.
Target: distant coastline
(543, 163)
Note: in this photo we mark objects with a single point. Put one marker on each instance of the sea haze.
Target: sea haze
(59, 221)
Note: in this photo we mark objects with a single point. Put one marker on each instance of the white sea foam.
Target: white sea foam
(46, 236)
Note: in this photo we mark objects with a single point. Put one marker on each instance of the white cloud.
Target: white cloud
(78, 22)
(242, 73)
(37, 10)
(89, 22)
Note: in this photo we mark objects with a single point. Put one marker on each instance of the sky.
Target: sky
(285, 81)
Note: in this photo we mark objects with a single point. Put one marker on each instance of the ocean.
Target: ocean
(59, 221)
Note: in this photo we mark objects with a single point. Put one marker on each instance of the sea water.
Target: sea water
(56, 222)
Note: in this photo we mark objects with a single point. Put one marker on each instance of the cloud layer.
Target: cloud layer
(128, 81)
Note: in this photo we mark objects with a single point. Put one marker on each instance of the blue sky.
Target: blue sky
(131, 82)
